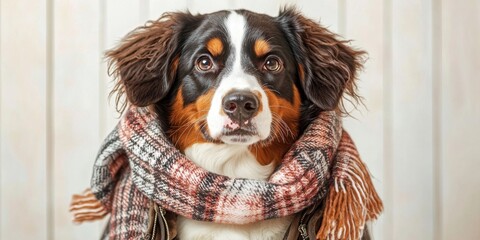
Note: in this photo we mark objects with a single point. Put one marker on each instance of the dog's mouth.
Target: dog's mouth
(244, 133)
(239, 132)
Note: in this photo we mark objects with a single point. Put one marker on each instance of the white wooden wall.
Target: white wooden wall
(418, 133)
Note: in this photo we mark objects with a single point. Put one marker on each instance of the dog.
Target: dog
(233, 90)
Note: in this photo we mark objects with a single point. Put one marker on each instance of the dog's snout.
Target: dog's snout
(240, 105)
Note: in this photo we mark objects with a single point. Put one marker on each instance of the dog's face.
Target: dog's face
(235, 77)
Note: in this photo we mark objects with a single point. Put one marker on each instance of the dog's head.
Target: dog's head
(235, 77)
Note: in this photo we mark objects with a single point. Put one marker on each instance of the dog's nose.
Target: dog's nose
(240, 105)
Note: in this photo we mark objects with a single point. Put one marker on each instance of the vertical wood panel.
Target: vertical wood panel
(412, 120)
(144, 9)
(367, 128)
(436, 111)
(387, 219)
(460, 116)
(75, 110)
(325, 11)
(1, 130)
(23, 120)
(200, 6)
(158, 7)
(50, 138)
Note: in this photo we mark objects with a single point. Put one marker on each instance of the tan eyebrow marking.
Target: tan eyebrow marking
(215, 46)
(261, 47)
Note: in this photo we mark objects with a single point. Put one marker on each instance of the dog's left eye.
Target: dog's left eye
(204, 63)
(272, 64)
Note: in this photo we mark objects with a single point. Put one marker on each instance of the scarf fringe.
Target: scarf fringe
(352, 199)
(86, 207)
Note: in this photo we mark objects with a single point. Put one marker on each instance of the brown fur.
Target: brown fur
(215, 46)
(145, 63)
(286, 117)
(329, 65)
(186, 121)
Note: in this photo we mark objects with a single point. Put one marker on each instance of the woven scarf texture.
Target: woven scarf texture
(137, 163)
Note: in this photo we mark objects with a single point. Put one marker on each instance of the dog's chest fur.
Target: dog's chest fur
(236, 162)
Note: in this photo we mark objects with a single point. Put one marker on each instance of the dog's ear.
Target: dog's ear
(145, 62)
(327, 66)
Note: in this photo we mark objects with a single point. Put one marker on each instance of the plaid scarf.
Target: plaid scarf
(137, 163)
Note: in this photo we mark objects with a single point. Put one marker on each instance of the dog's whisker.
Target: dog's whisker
(281, 128)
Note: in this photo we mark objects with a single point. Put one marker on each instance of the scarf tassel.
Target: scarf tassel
(352, 199)
(86, 207)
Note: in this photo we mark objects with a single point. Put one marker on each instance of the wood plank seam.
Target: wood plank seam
(0, 119)
(50, 141)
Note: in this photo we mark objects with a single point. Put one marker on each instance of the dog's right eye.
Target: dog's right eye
(204, 63)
